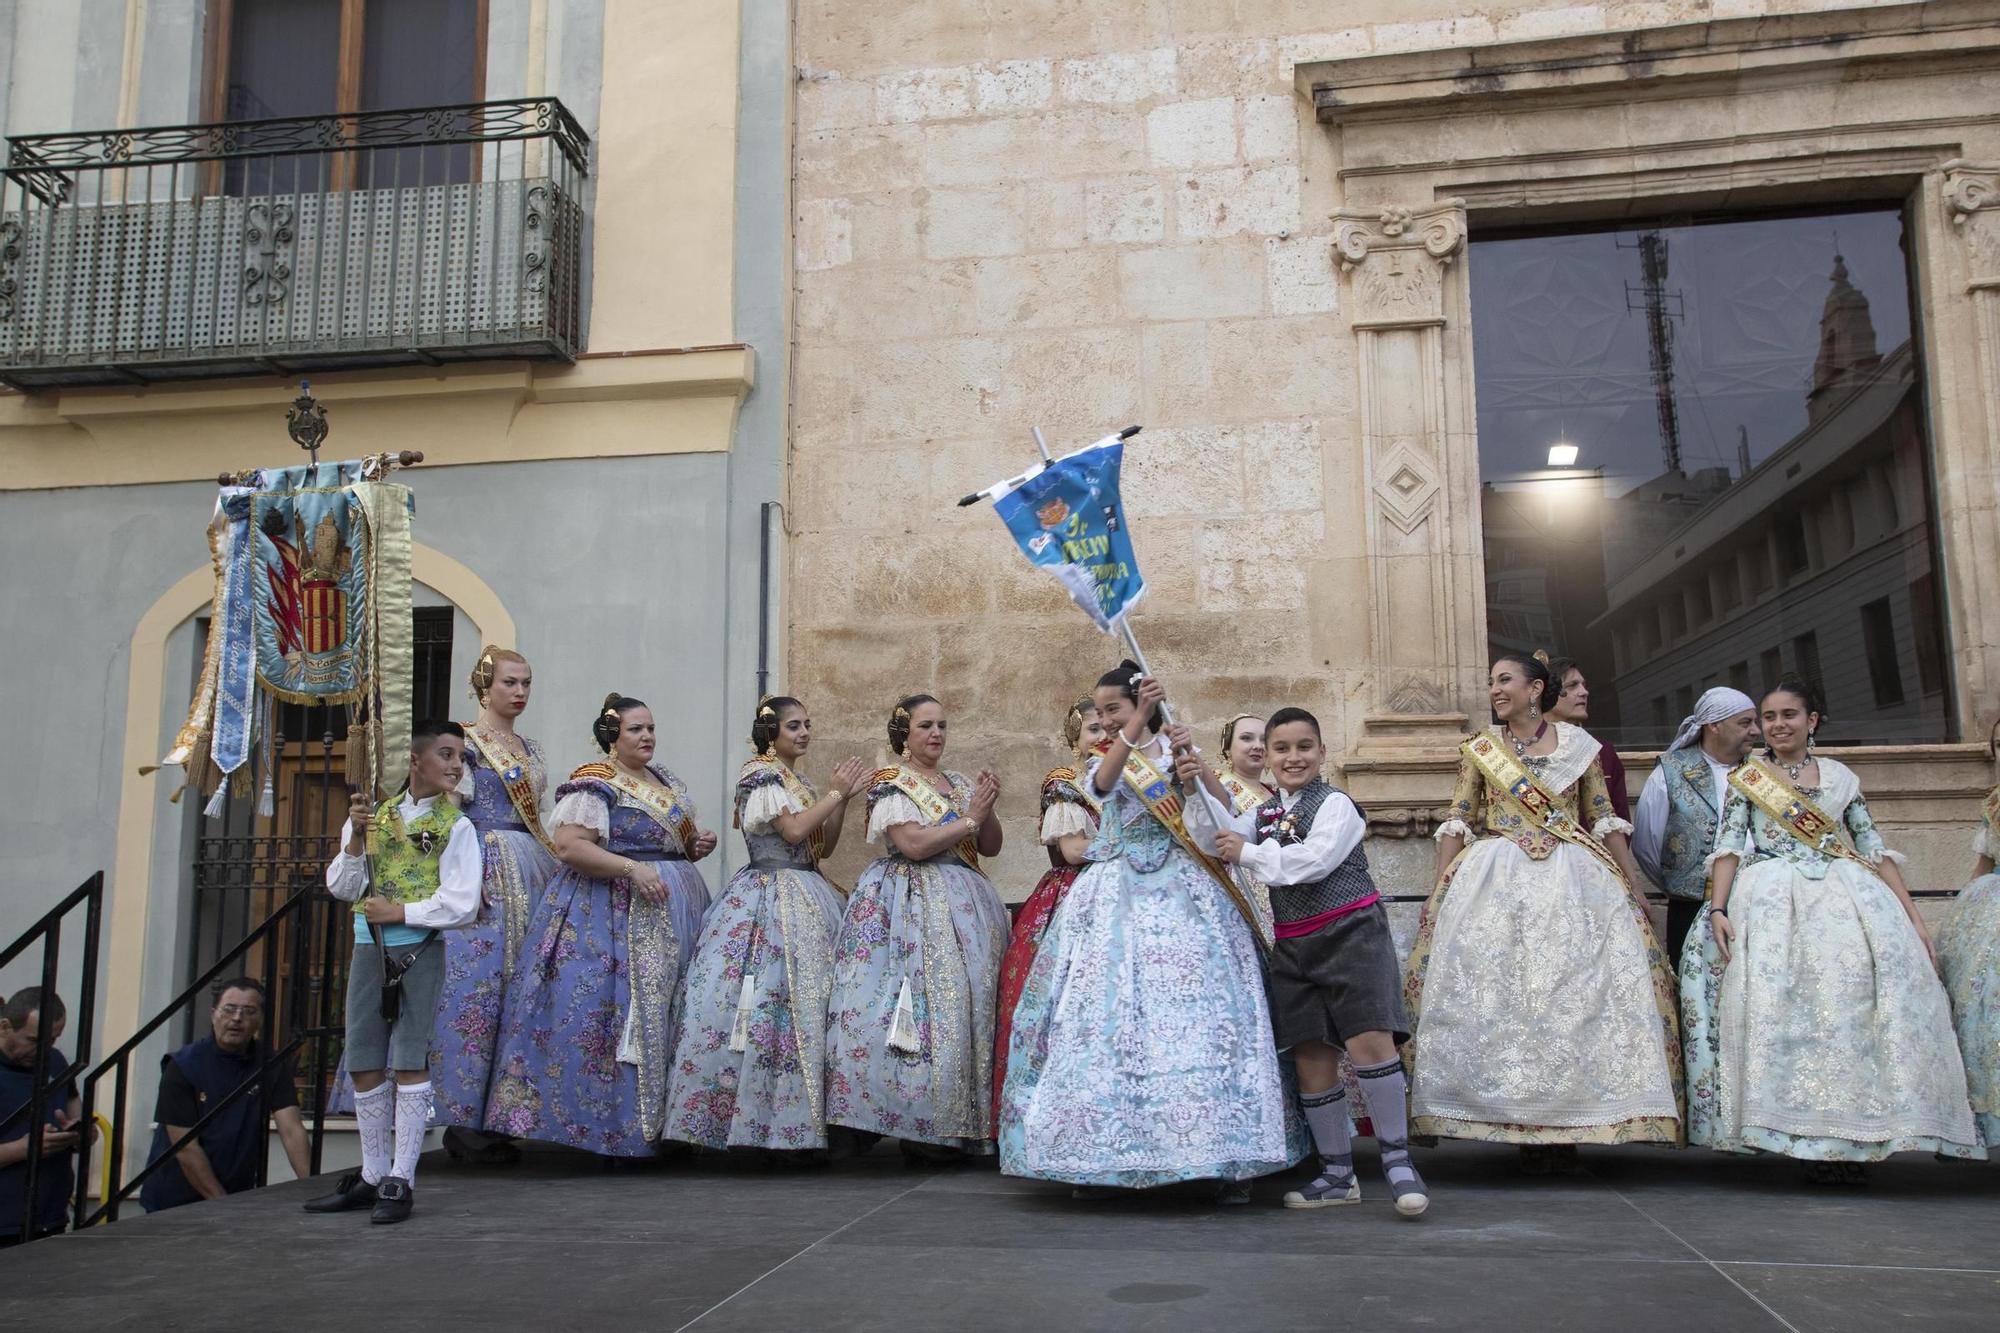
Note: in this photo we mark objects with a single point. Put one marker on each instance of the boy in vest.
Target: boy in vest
(426, 879)
(1680, 808)
(1334, 978)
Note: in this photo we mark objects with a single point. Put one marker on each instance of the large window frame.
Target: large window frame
(1796, 536)
(1793, 110)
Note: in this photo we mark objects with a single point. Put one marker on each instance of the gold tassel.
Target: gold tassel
(903, 1025)
(746, 1004)
(358, 767)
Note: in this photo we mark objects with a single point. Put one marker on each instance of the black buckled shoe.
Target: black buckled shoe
(352, 1192)
(393, 1200)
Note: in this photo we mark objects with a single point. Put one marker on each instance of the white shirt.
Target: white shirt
(1649, 817)
(1336, 831)
(455, 903)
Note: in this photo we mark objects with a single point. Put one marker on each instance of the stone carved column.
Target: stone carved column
(1426, 606)
(1971, 197)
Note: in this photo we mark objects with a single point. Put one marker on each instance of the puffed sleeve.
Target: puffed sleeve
(888, 807)
(1984, 841)
(764, 799)
(1867, 841)
(584, 804)
(1468, 802)
(1733, 838)
(1593, 797)
(467, 789)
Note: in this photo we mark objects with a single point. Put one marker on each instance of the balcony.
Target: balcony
(381, 238)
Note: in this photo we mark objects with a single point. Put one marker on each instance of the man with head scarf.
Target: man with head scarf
(1680, 809)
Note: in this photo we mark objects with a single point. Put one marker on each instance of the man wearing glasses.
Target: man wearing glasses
(194, 1081)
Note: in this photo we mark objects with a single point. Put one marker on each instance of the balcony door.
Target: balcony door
(275, 58)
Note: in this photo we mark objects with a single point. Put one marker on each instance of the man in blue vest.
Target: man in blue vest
(194, 1080)
(1680, 809)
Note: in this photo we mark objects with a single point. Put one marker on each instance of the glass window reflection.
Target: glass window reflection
(1703, 461)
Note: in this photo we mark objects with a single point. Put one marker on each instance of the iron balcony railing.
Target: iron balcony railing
(419, 236)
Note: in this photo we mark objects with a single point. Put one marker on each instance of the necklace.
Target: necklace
(1521, 747)
(1792, 771)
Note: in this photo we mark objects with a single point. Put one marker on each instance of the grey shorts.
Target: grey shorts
(372, 1043)
(1338, 982)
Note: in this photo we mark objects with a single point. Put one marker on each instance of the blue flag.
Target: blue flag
(1067, 519)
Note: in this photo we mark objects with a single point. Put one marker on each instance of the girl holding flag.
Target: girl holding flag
(1141, 1051)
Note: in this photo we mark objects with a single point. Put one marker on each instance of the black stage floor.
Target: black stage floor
(1643, 1239)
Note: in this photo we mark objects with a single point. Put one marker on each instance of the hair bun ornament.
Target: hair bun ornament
(1542, 656)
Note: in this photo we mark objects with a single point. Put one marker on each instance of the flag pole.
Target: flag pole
(1139, 656)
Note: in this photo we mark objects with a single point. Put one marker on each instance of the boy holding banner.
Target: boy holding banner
(1333, 976)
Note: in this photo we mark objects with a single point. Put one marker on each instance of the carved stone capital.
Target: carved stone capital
(1969, 187)
(1397, 258)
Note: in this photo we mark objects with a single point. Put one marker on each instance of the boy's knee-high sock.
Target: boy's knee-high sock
(413, 1117)
(1326, 1114)
(1386, 1091)
(374, 1117)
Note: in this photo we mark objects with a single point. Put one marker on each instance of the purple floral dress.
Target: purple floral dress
(479, 960)
(916, 977)
(587, 1031)
(751, 1057)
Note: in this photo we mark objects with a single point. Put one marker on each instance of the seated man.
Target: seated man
(20, 1022)
(193, 1080)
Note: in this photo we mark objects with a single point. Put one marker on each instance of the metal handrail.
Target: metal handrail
(90, 896)
(118, 1062)
(40, 161)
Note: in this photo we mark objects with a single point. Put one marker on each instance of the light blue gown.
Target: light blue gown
(1969, 954)
(1142, 1050)
(1828, 1035)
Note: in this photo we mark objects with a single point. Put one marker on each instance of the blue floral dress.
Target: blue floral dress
(1969, 954)
(1141, 1051)
(1828, 1035)
(750, 1065)
(587, 1031)
(479, 960)
(916, 973)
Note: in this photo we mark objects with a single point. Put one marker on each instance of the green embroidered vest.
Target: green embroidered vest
(406, 856)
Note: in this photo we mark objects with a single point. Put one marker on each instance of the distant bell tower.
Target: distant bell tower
(1846, 343)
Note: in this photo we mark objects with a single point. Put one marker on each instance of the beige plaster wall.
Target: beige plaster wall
(1083, 216)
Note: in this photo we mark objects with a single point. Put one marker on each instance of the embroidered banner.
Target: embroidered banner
(310, 589)
(1067, 518)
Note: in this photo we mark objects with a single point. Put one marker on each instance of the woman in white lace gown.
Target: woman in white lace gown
(1817, 1026)
(1542, 1003)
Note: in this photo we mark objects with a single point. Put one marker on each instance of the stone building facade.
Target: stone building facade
(1246, 231)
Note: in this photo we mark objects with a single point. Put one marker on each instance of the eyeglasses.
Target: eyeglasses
(239, 1010)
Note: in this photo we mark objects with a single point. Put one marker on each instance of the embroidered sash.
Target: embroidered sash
(933, 805)
(1163, 803)
(1769, 790)
(1529, 799)
(795, 787)
(1245, 796)
(668, 805)
(515, 776)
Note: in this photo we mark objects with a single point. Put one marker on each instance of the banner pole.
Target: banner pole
(1139, 656)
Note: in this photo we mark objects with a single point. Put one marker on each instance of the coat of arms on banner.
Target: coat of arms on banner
(309, 590)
